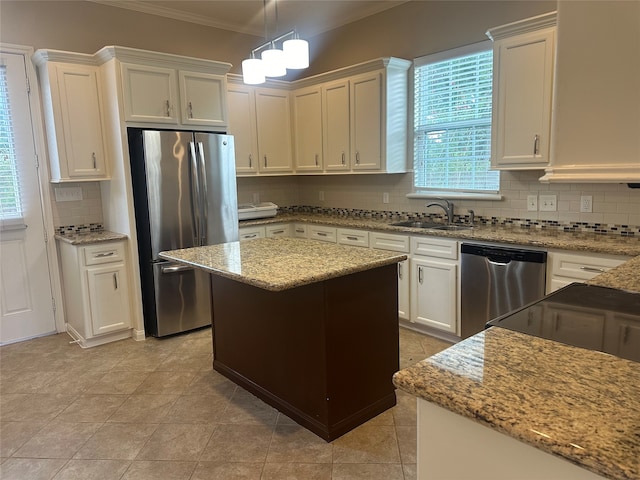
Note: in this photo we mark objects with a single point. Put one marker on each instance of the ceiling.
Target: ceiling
(309, 17)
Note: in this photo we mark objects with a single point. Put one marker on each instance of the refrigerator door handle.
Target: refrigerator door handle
(195, 194)
(202, 176)
(175, 268)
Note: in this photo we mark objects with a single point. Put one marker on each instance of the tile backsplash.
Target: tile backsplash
(613, 204)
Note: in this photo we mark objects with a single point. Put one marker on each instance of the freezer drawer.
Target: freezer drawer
(182, 299)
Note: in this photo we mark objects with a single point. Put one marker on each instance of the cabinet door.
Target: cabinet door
(307, 121)
(242, 125)
(274, 130)
(337, 126)
(434, 293)
(150, 94)
(203, 100)
(366, 121)
(81, 112)
(403, 290)
(523, 79)
(108, 298)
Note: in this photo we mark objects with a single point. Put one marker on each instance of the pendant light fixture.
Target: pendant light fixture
(274, 61)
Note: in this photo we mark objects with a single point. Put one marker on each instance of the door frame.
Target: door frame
(37, 125)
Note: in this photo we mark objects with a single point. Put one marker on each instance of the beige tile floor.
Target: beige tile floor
(157, 410)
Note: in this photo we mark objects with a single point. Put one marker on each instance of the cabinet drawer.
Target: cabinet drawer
(300, 230)
(249, 233)
(582, 267)
(280, 230)
(389, 241)
(434, 247)
(326, 234)
(104, 253)
(357, 238)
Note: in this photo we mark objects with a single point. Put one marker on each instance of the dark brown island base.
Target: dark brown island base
(311, 328)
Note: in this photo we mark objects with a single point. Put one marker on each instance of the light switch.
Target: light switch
(68, 194)
(548, 203)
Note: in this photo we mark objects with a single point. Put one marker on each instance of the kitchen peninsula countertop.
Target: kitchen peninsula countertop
(578, 404)
(278, 264)
(90, 237)
(540, 238)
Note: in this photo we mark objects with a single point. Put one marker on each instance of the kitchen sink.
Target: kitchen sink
(431, 225)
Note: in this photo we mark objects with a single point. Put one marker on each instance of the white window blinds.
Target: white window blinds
(452, 121)
(10, 204)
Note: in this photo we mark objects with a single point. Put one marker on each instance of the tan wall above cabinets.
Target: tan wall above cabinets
(596, 114)
(352, 120)
(523, 62)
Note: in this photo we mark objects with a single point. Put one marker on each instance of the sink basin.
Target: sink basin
(432, 225)
(417, 224)
(452, 227)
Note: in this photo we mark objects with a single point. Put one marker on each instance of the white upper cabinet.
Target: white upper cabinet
(307, 132)
(243, 127)
(151, 96)
(260, 121)
(273, 117)
(596, 114)
(523, 73)
(204, 100)
(336, 126)
(367, 127)
(73, 108)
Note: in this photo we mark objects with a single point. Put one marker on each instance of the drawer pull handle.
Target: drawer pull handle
(105, 254)
(299, 230)
(593, 269)
(316, 159)
(265, 162)
(352, 238)
(251, 235)
(321, 234)
(276, 232)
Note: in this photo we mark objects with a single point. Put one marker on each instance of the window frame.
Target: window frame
(446, 193)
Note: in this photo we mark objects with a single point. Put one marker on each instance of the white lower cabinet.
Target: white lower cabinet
(564, 268)
(323, 233)
(434, 285)
(355, 238)
(400, 244)
(278, 230)
(261, 231)
(250, 233)
(96, 291)
(299, 230)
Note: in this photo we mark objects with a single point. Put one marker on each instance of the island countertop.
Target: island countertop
(578, 404)
(278, 264)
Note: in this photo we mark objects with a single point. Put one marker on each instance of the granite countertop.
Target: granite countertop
(281, 263)
(625, 276)
(90, 237)
(554, 239)
(578, 404)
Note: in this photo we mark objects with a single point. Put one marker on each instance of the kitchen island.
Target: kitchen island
(286, 316)
(525, 407)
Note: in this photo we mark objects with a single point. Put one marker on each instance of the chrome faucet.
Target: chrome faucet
(446, 205)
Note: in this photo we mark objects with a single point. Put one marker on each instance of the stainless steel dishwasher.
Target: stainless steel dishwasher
(495, 281)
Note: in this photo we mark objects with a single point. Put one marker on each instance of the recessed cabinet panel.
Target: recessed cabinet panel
(307, 118)
(82, 124)
(366, 105)
(108, 298)
(149, 94)
(242, 125)
(274, 130)
(203, 99)
(337, 133)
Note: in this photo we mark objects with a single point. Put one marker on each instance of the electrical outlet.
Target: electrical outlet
(321, 196)
(586, 203)
(548, 203)
(256, 198)
(532, 203)
(68, 194)
(385, 197)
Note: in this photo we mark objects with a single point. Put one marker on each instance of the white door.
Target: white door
(26, 307)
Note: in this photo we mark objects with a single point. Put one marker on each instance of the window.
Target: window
(10, 204)
(452, 122)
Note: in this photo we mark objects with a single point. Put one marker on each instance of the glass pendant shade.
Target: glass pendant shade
(296, 53)
(274, 63)
(253, 71)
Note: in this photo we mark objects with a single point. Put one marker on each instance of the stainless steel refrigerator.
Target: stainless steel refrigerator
(184, 188)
